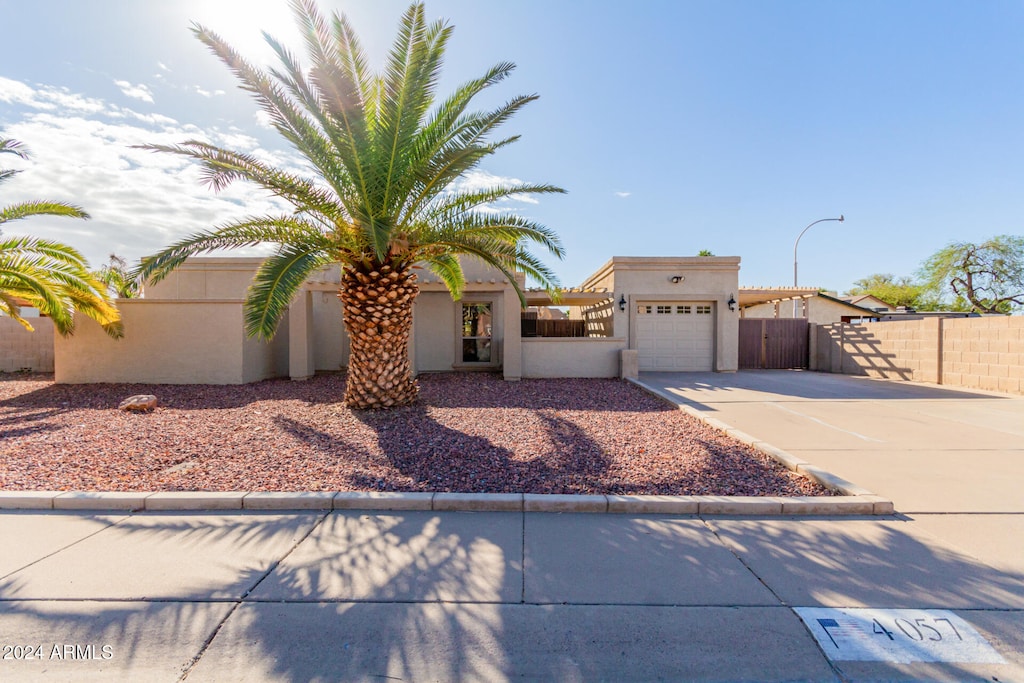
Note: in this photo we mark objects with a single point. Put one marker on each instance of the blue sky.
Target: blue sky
(675, 126)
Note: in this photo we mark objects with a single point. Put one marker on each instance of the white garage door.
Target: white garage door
(674, 336)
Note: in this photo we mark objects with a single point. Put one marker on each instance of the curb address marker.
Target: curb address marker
(896, 635)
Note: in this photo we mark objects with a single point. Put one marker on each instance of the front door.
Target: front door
(476, 343)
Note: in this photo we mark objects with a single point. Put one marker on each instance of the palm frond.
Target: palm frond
(447, 267)
(407, 92)
(506, 228)
(275, 285)
(458, 203)
(13, 147)
(448, 153)
(7, 174)
(285, 115)
(248, 232)
(40, 208)
(29, 279)
(338, 77)
(10, 307)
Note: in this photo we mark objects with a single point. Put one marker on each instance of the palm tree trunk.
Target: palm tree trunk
(377, 309)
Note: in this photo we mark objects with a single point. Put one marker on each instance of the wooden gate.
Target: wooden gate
(773, 343)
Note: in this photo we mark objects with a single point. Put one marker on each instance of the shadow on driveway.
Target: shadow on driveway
(699, 388)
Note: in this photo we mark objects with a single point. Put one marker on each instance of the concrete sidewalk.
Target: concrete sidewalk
(492, 596)
(485, 596)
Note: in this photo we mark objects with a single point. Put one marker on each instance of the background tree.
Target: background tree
(988, 277)
(385, 198)
(902, 291)
(47, 275)
(704, 252)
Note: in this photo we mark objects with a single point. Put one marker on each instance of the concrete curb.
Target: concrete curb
(855, 500)
(240, 501)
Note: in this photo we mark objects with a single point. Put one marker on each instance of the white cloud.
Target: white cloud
(476, 181)
(163, 67)
(16, 92)
(83, 153)
(263, 120)
(138, 92)
(47, 97)
(622, 195)
(208, 93)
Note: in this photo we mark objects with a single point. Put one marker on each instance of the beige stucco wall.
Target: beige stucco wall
(21, 349)
(330, 340)
(434, 329)
(168, 342)
(164, 343)
(981, 353)
(571, 357)
(705, 279)
(207, 278)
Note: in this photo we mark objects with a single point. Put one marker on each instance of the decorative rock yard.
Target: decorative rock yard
(470, 432)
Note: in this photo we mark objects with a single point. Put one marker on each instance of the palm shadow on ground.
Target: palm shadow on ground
(374, 590)
(425, 596)
(457, 461)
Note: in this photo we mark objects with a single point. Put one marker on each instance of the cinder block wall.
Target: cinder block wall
(21, 349)
(984, 353)
(979, 353)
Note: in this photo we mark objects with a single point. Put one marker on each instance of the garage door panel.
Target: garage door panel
(676, 336)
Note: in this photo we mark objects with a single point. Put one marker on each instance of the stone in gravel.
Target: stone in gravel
(139, 403)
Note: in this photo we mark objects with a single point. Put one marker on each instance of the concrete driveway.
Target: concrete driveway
(951, 460)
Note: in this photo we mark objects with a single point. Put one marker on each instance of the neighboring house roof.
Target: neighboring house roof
(869, 301)
(853, 307)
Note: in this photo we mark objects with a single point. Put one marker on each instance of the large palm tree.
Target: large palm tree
(384, 199)
(48, 275)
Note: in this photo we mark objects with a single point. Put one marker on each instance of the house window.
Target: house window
(643, 309)
(664, 310)
(703, 310)
(683, 310)
(477, 320)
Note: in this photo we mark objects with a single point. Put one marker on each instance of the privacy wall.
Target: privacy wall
(24, 350)
(978, 353)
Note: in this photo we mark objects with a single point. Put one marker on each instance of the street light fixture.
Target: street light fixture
(797, 244)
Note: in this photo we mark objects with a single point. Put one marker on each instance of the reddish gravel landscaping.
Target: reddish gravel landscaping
(470, 433)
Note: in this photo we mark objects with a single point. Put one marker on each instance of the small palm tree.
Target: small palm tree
(48, 275)
(119, 279)
(385, 198)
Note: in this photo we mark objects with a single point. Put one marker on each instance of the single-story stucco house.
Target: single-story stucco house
(634, 313)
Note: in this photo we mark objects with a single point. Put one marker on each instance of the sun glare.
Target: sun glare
(242, 23)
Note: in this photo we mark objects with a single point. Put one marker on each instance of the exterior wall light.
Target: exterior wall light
(676, 279)
(622, 302)
(732, 303)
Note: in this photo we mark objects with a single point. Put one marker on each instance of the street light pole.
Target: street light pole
(797, 244)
